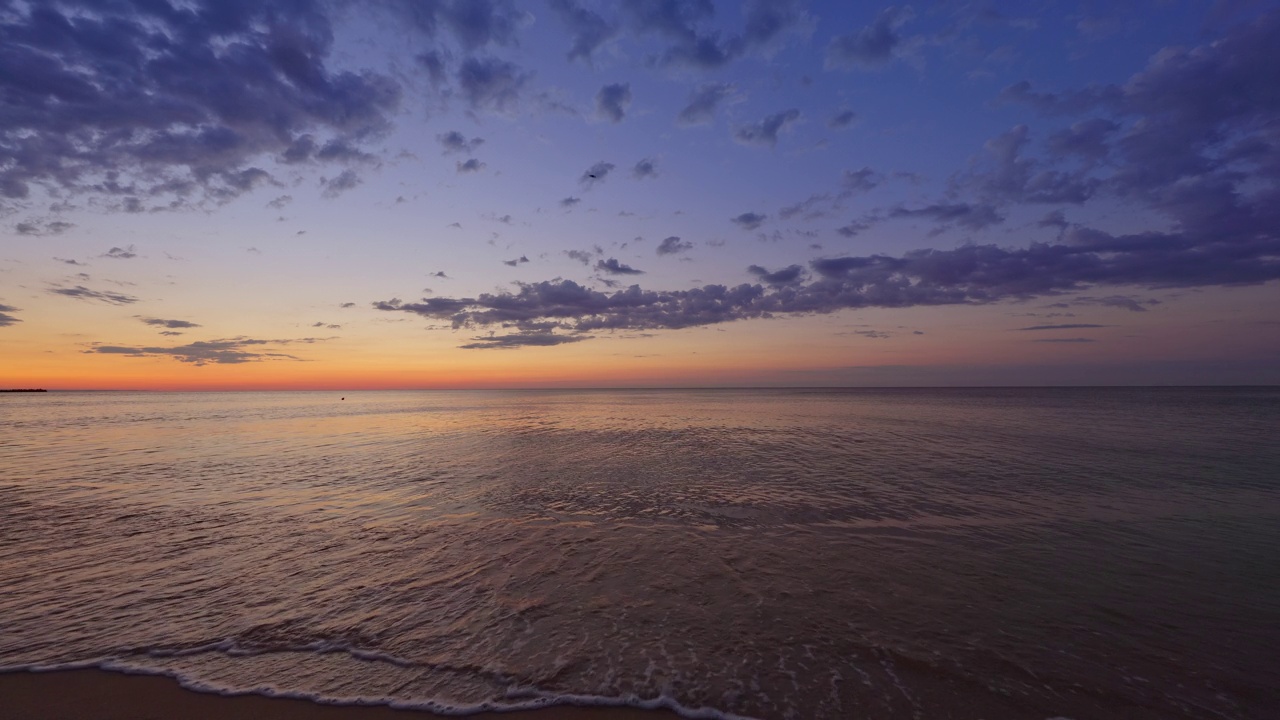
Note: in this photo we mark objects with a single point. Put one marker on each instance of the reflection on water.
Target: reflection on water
(773, 553)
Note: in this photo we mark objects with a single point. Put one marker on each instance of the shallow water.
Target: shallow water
(1098, 553)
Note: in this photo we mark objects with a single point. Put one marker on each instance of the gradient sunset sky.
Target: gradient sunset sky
(213, 194)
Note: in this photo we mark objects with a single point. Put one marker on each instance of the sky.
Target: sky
(284, 194)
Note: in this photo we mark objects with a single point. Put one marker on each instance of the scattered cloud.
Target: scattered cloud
(471, 165)
(518, 340)
(171, 136)
(689, 46)
(974, 217)
(613, 267)
(345, 181)
(126, 253)
(702, 104)
(860, 180)
(455, 142)
(589, 30)
(786, 276)
(645, 168)
(491, 84)
(569, 202)
(612, 101)
(842, 119)
(749, 220)
(596, 173)
(79, 292)
(673, 245)
(874, 45)
(347, 305)
(811, 207)
(970, 274)
(170, 324)
(1069, 326)
(40, 228)
(5, 318)
(230, 351)
(582, 256)
(68, 261)
(517, 261)
(765, 132)
(1064, 340)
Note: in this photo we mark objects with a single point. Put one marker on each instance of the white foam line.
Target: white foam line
(542, 699)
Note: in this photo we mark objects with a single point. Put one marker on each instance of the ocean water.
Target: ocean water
(984, 553)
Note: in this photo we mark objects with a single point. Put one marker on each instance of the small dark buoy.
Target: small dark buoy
(344, 398)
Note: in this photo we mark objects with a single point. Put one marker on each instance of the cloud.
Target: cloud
(693, 47)
(347, 305)
(124, 101)
(345, 181)
(766, 131)
(231, 351)
(810, 207)
(328, 326)
(703, 101)
(596, 173)
(613, 267)
(280, 202)
(68, 261)
(40, 228)
(455, 142)
(589, 30)
(121, 253)
(80, 292)
(1010, 177)
(473, 23)
(581, 256)
(5, 318)
(860, 180)
(491, 84)
(749, 220)
(644, 169)
(171, 324)
(842, 119)
(471, 165)
(1063, 340)
(569, 202)
(853, 228)
(520, 260)
(872, 46)
(786, 276)
(1069, 326)
(673, 245)
(1087, 139)
(974, 217)
(612, 101)
(1069, 103)
(1126, 302)
(518, 340)
(970, 274)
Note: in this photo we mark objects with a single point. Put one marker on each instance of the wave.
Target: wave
(514, 698)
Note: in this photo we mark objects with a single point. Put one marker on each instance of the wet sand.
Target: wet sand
(100, 695)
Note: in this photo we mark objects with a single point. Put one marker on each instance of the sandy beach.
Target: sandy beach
(100, 695)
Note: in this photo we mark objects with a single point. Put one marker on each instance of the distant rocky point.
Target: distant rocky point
(26, 390)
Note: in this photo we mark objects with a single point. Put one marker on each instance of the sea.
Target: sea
(776, 553)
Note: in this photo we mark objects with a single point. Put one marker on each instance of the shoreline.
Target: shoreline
(93, 694)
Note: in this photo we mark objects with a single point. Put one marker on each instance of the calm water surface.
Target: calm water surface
(1024, 553)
